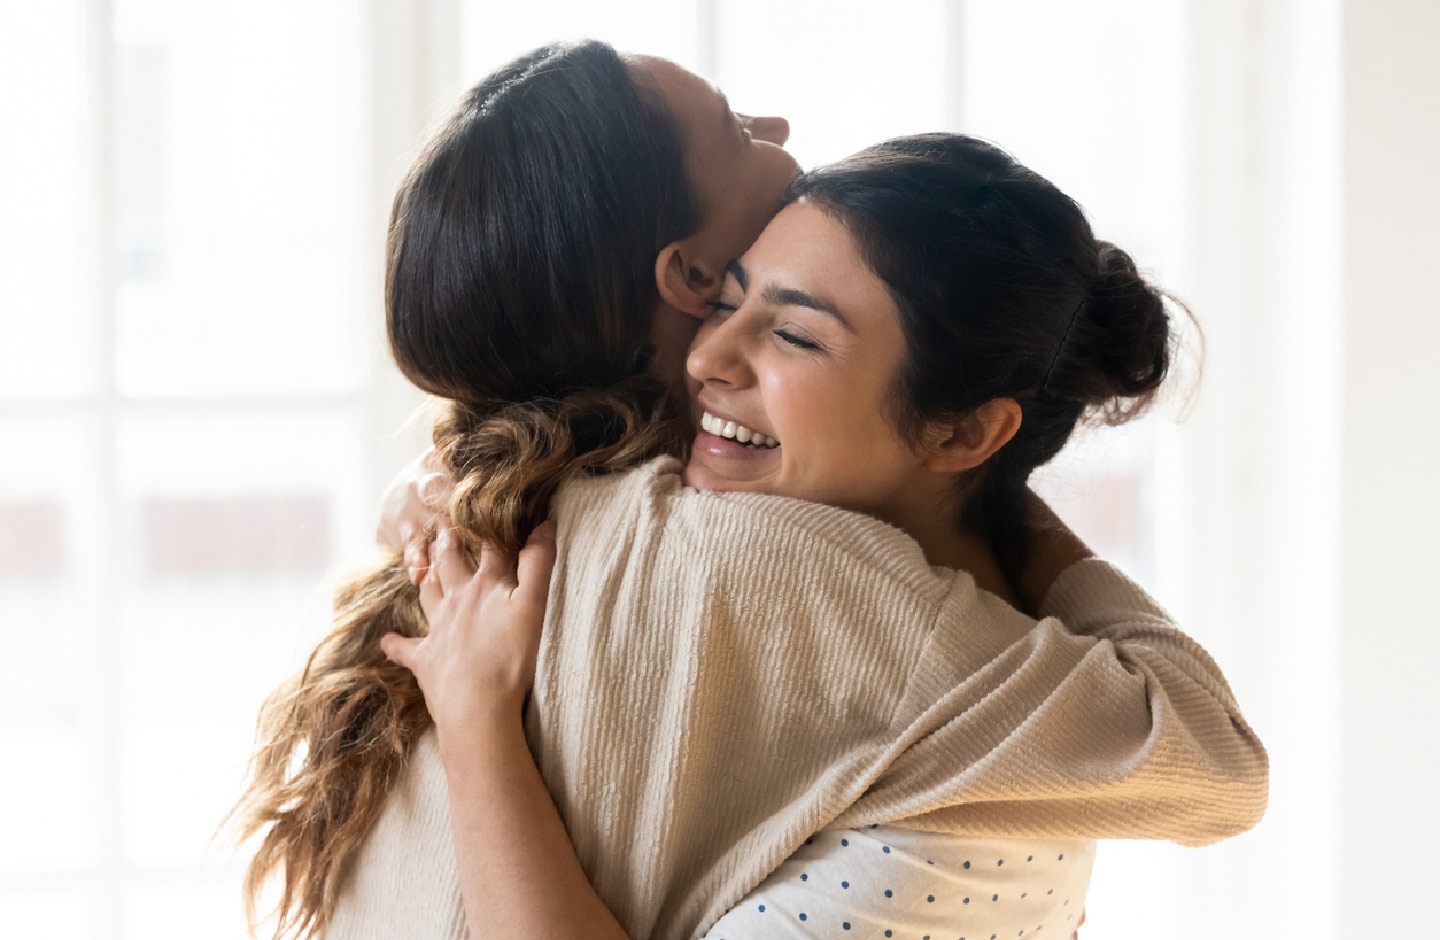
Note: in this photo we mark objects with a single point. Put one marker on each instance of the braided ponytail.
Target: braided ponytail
(508, 462)
(512, 296)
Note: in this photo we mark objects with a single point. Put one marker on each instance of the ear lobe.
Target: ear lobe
(685, 283)
(974, 439)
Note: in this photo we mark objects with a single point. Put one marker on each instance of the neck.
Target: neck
(947, 544)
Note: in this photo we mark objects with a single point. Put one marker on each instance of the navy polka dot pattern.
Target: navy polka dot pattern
(869, 882)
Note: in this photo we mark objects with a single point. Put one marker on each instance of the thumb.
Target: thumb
(400, 650)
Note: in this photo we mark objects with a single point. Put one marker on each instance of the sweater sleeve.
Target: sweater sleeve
(1110, 723)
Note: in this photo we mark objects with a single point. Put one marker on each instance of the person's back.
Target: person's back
(525, 416)
(722, 676)
(915, 358)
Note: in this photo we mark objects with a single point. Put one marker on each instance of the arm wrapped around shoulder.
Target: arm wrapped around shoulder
(1112, 724)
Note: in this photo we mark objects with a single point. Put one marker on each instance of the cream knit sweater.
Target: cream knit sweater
(721, 675)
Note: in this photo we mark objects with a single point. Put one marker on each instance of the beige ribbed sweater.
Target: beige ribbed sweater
(723, 674)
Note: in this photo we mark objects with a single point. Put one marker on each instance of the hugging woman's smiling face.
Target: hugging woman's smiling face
(803, 350)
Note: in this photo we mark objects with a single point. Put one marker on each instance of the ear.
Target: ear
(970, 441)
(685, 282)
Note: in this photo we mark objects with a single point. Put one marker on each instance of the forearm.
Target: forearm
(1191, 708)
(518, 872)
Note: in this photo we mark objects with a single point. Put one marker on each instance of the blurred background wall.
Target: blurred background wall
(197, 414)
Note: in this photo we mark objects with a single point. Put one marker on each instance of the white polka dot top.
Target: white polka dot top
(903, 884)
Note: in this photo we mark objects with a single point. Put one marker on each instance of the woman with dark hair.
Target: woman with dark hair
(549, 252)
(921, 327)
(539, 287)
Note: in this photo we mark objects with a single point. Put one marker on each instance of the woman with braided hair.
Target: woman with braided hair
(813, 638)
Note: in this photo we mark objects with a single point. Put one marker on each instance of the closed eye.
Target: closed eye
(799, 342)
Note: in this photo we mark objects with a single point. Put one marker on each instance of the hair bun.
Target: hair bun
(1123, 354)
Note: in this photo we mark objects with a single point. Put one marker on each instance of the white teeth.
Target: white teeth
(738, 432)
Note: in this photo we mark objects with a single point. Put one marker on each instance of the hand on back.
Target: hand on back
(477, 663)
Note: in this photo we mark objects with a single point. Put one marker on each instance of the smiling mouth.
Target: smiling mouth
(737, 432)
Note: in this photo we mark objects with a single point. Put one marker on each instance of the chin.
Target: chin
(698, 478)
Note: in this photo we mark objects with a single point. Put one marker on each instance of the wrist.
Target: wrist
(479, 733)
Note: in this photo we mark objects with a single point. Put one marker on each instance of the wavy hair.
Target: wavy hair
(520, 288)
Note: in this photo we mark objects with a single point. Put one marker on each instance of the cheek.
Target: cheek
(846, 443)
(829, 415)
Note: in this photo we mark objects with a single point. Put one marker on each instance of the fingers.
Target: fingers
(417, 549)
(531, 568)
(400, 649)
(536, 562)
(402, 497)
(495, 569)
(431, 594)
(434, 489)
(450, 564)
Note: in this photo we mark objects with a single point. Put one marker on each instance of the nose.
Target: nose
(717, 356)
(775, 130)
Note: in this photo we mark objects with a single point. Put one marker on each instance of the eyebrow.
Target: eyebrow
(789, 296)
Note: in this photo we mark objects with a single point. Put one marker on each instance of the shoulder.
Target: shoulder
(1095, 591)
(757, 529)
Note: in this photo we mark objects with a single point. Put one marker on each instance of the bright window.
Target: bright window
(194, 401)
(185, 380)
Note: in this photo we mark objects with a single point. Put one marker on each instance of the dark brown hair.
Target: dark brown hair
(520, 287)
(1003, 292)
